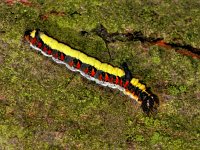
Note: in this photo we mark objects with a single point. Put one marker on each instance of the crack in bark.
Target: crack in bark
(188, 50)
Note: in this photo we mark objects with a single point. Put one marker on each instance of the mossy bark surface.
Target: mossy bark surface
(45, 106)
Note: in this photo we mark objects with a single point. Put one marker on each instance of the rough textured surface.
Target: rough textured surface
(44, 105)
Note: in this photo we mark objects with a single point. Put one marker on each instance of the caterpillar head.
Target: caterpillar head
(30, 34)
(150, 104)
(27, 35)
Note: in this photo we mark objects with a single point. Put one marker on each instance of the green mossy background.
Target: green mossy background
(45, 106)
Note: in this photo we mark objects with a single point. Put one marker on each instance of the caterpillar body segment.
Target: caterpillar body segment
(92, 69)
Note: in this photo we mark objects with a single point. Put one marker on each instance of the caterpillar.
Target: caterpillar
(93, 69)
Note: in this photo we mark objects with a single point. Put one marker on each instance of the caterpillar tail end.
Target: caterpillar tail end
(150, 104)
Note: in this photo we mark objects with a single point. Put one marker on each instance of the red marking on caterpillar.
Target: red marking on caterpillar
(117, 80)
(33, 41)
(111, 80)
(126, 84)
(93, 73)
(100, 77)
(49, 51)
(62, 57)
(78, 66)
(106, 77)
(44, 49)
(71, 63)
(39, 44)
(86, 70)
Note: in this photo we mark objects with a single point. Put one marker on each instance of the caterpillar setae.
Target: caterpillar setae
(92, 69)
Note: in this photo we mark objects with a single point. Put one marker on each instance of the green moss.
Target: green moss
(156, 138)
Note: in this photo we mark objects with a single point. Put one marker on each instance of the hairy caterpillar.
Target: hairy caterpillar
(92, 69)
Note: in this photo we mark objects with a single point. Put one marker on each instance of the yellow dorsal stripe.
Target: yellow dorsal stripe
(136, 83)
(52, 43)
